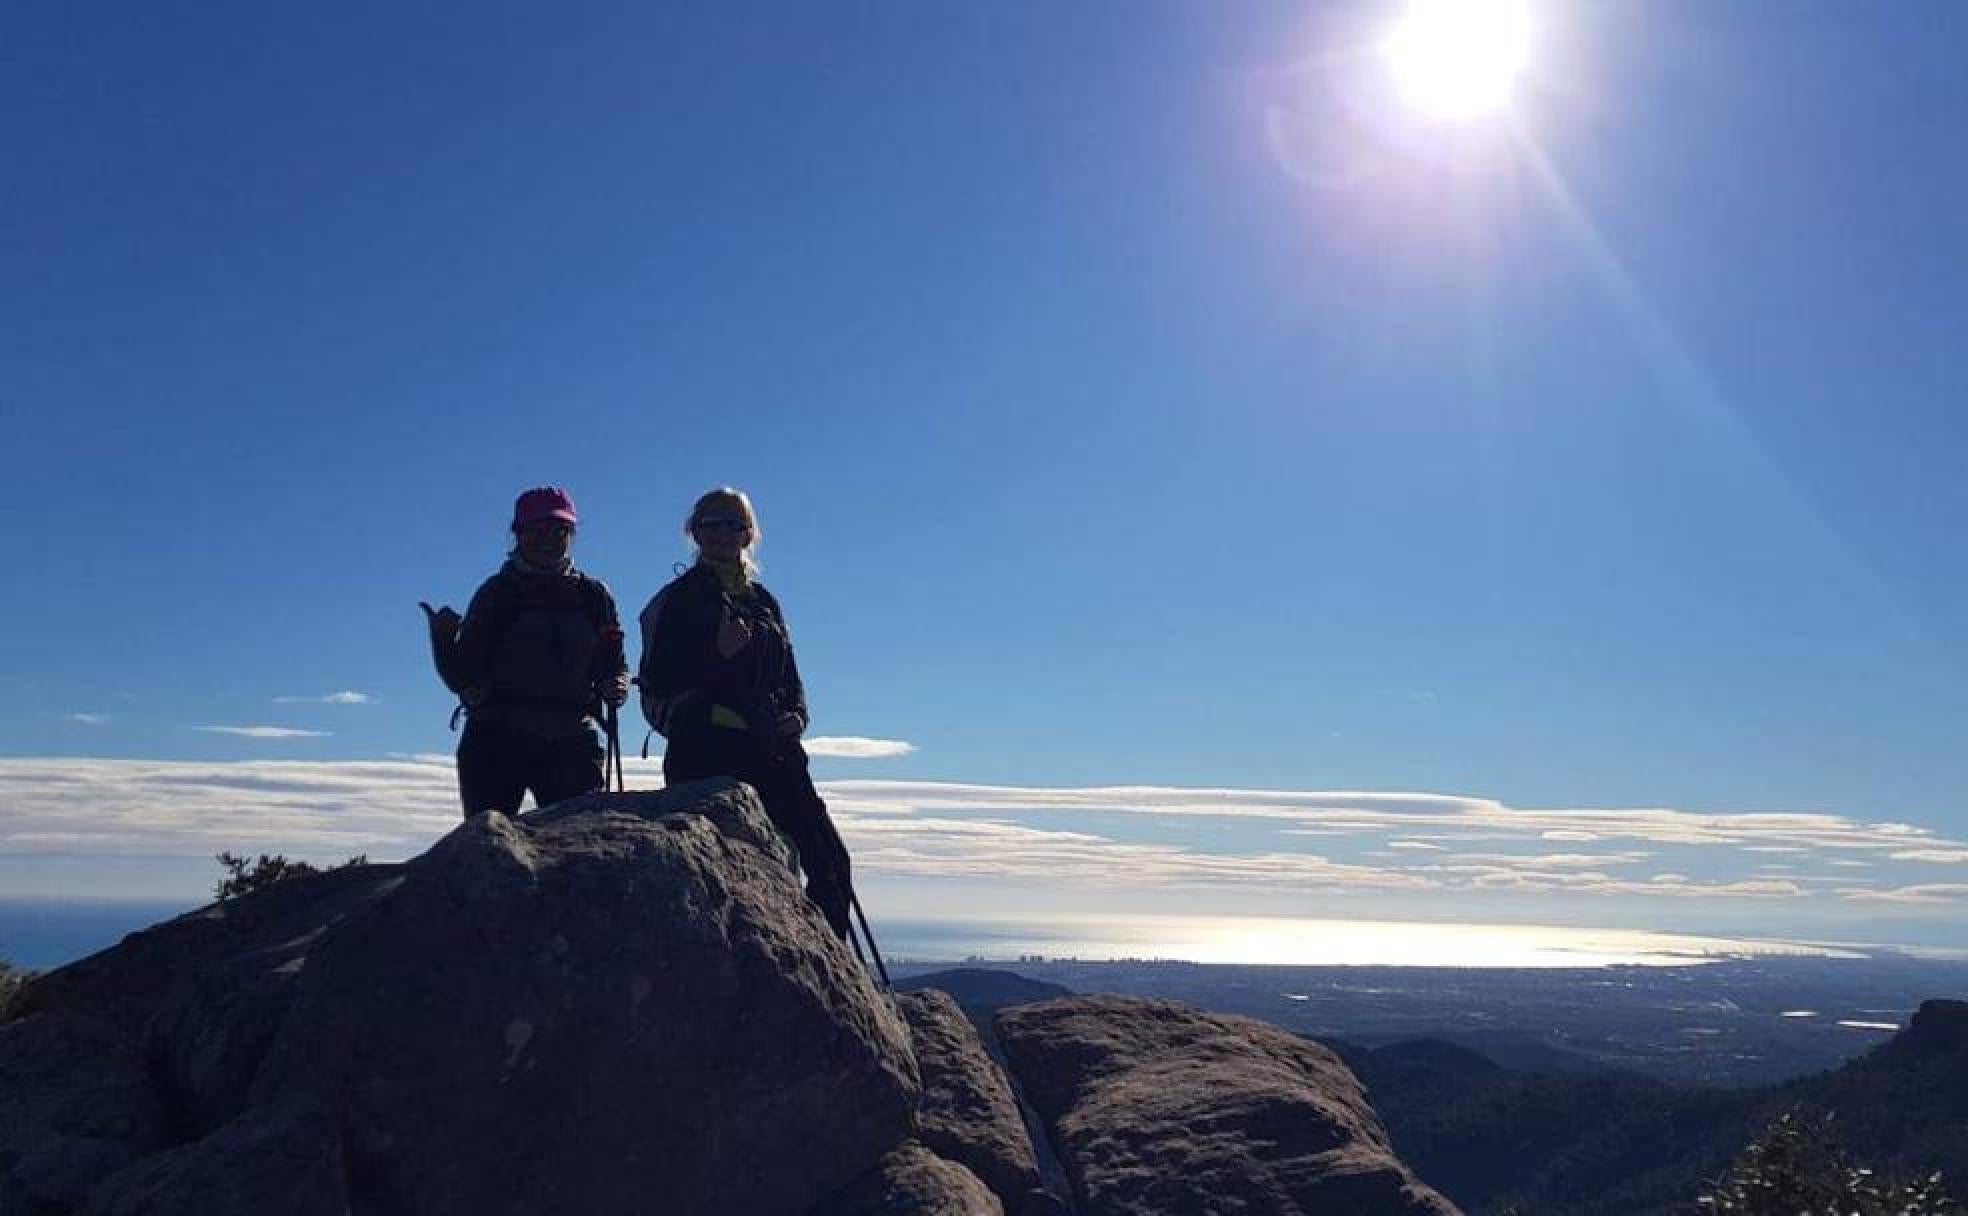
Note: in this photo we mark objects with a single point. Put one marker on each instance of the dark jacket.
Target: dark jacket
(682, 674)
(533, 648)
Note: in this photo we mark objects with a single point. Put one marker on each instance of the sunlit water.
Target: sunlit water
(1312, 943)
(49, 933)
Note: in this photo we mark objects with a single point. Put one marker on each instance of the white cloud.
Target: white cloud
(959, 848)
(1422, 816)
(88, 719)
(1938, 856)
(265, 732)
(1556, 861)
(345, 697)
(1058, 847)
(855, 747)
(178, 808)
(1919, 893)
(1507, 880)
(1750, 888)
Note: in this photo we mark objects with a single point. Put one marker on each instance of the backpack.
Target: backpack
(512, 594)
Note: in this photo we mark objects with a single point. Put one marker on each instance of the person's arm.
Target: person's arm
(443, 624)
(790, 695)
(464, 664)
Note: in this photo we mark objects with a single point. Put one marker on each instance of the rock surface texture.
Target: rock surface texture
(968, 1114)
(912, 1181)
(1157, 1107)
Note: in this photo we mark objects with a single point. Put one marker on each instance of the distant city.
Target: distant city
(1743, 1021)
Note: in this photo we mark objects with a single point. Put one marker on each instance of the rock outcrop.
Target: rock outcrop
(1157, 1107)
(1939, 1026)
(618, 1004)
(1901, 1107)
(625, 1004)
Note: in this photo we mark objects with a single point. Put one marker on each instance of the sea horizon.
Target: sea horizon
(40, 933)
(1328, 942)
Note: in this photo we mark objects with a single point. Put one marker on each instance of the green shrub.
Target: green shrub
(11, 980)
(1796, 1168)
(244, 877)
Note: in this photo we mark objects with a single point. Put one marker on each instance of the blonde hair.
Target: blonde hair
(729, 496)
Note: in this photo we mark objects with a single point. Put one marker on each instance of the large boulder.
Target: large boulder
(600, 1004)
(1158, 1107)
(967, 1113)
(618, 1004)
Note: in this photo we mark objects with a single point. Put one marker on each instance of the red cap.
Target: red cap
(543, 502)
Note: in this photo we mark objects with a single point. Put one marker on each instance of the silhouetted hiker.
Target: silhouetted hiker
(719, 682)
(537, 653)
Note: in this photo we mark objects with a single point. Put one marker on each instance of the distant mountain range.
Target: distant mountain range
(1562, 1137)
(1610, 1143)
(984, 989)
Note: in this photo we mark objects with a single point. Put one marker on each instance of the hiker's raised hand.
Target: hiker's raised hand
(614, 689)
(443, 621)
(733, 634)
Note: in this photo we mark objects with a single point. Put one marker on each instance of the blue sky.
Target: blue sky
(1134, 395)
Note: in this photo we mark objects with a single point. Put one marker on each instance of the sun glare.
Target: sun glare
(1458, 59)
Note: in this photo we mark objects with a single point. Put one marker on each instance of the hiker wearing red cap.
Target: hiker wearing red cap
(719, 682)
(535, 656)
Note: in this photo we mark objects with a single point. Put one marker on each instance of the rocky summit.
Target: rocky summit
(624, 1004)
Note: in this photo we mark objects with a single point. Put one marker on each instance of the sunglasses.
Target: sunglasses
(555, 529)
(732, 523)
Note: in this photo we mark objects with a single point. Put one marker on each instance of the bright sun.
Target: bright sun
(1457, 59)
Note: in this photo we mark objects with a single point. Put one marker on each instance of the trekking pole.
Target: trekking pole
(611, 725)
(611, 718)
(854, 901)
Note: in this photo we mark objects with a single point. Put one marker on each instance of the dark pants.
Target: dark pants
(786, 788)
(496, 766)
